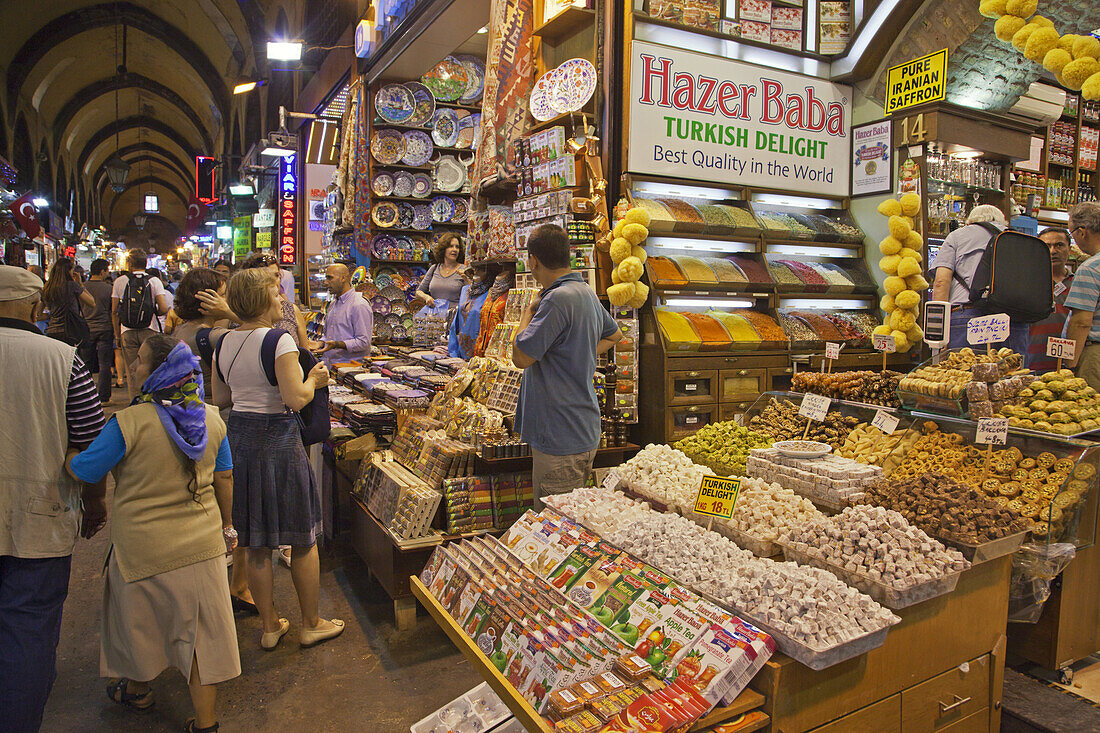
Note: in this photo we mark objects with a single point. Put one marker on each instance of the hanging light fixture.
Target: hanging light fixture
(118, 170)
(139, 221)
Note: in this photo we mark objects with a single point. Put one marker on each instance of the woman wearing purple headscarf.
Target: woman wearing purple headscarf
(166, 602)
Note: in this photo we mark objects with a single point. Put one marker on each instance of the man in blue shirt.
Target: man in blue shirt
(349, 321)
(559, 337)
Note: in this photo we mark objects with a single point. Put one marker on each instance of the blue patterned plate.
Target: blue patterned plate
(425, 104)
(394, 103)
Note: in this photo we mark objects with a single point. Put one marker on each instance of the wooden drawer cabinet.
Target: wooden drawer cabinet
(692, 387)
(742, 384)
(883, 716)
(733, 410)
(946, 699)
(975, 723)
(683, 421)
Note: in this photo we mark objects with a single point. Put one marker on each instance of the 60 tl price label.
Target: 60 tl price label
(717, 496)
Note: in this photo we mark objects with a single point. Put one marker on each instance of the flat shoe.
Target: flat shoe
(240, 605)
(313, 637)
(270, 639)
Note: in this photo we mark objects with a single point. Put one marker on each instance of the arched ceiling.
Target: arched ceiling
(59, 71)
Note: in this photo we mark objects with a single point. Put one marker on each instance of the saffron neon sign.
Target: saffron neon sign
(288, 211)
(703, 117)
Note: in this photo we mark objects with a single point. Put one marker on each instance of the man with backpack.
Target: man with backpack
(1084, 295)
(136, 300)
(984, 269)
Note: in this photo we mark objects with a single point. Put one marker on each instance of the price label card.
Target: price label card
(992, 431)
(1061, 348)
(884, 342)
(885, 422)
(717, 496)
(613, 482)
(814, 407)
(691, 387)
(1059, 289)
(987, 329)
(832, 350)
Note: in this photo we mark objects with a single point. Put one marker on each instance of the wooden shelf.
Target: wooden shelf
(565, 23)
(418, 200)
(380, 261)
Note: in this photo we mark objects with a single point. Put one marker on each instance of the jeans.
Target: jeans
(1017, 332)
(32, 592)
(559, 474)
(99, 356)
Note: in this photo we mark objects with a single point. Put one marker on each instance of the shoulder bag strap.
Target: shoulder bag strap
(267, 354)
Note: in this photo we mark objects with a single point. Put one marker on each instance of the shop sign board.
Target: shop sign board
(288, 210)
(872, 158)
(263, 240)
(707, 118)
(916, 82)
(717, 496)
(263, 219)
(242, 236)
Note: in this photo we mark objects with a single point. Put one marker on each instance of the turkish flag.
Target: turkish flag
(196, 215)
(25, 214)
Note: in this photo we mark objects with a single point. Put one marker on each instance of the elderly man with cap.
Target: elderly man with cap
(52, 407)
(349, 320)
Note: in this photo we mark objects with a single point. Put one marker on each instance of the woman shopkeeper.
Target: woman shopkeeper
(442, 284)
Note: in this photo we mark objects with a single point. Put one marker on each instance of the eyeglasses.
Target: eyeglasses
(1074, 230)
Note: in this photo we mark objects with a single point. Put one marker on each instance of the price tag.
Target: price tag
(885, 422)
(884, 342)
(1061, 348)
(717, 496)
(814, 407)
(613, 481)
(992, 431)
(691, 387)
(832, 350)
(987, 329)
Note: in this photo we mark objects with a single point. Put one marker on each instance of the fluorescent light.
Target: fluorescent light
(245, 86)
(225, 232)
(779, 199)
(276, 151)
(210, 223)
(241, 189)
(967, 154)
(284, 50)
(40, 202)
(706, 245)
(825, 303)
(797, 249)
(684, 189)
(810, 12)
(708, 303)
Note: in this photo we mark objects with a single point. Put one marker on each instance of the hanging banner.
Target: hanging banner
(288, 210)
(707, 118)
(872, 158)
(242, 236)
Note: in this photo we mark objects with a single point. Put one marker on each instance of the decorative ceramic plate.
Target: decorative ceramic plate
(445, 127)
(381, 331)
(475, 69)
(384, 214)
(393, 319)
(402, 184)
(539, 101)
(382, 184)
(573, 85)
(448, 79)
(394, 103)
(378, 301)
(359, 276)
(408, 321)
(418, 148)
(465, 137)
(387, 146)
(399, 333)
(392, 292)
(404, 250)
(449, 173)
(382, 246)
(399, 308)
(461, 212)
(382, 281)
(422, 185)
(442, 209)
(422, 216)
(425, 104)
(405, 215)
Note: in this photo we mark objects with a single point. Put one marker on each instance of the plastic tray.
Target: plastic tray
(887, 595)
(987, 551)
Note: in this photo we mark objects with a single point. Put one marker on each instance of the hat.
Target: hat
(17, 283)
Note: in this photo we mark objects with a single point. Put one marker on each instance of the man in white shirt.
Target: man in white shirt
(136, 318)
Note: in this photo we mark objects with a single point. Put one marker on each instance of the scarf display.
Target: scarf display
(504, 282)
(177, 391)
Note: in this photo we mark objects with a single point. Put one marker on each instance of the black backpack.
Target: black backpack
(1013, 277)
(137, 308)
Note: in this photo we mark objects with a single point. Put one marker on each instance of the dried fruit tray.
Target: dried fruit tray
(987, 551)
(888, 595)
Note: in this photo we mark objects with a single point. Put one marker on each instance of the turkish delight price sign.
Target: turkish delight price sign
(987, 329)
(613, 481)
(885, 343)
(717, 496)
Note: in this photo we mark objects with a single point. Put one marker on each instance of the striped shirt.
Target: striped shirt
(1051, 326)
(83, 411)
(1085, 293)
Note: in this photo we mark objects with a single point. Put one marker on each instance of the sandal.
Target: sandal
(240, 605)
(116, 691)
(313, 637)
(270, 639)
(190, 727)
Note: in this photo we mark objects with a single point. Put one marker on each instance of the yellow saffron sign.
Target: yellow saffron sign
(916, 82)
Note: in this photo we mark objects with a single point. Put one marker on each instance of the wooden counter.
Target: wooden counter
(916, 681)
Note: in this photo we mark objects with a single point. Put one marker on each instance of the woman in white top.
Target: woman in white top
(277, 500)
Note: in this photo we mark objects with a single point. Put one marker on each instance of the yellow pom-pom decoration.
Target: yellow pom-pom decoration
(618, 230)
(914, 334)
(637, 215)
(914, 241)
(1066, 43)
(1041, 21)
(615, 279)
(1090, 90)
(907, 299)
(1007, 26)
(620, 250)
(1019, 38)
(890, 207)
(883, 330)
(630, 270)
(889, 246)
(1056, 60)
(899, 227)
(886, 303)
(1022, 8)
(1076, 72)
(621, 294)
(908, 266)
(635, 233)
(992, 8)
(1086, 47)
(889, 264)
(638, 252)
(894, 285)
(910, 204)
(901, 343)
(902, 320)
(906, 252)
(916, 282)
(641, 293)
(1039, 43)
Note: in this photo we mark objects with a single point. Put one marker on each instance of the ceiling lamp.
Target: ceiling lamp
(118, 170)
(139, 221)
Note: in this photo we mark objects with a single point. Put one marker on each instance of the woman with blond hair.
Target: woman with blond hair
(276, 499)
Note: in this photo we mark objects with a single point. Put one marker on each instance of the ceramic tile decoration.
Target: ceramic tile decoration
(405, 215)
(445, 127)
(422, 216)
(418, 148)
(447, 80)
(460, 213)
(387, 146)
(422, 185)
(475, 69)
(382, 184)
(450, 174)
(425, 104)
(394, 103)
(382, 246)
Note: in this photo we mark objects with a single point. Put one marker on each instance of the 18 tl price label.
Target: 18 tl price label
(717, 496)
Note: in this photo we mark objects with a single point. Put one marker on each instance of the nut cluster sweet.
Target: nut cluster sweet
(1058, 402)
(875, 388)
(780, 420)
(722, 446)
(832, 480)
(663, 474)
